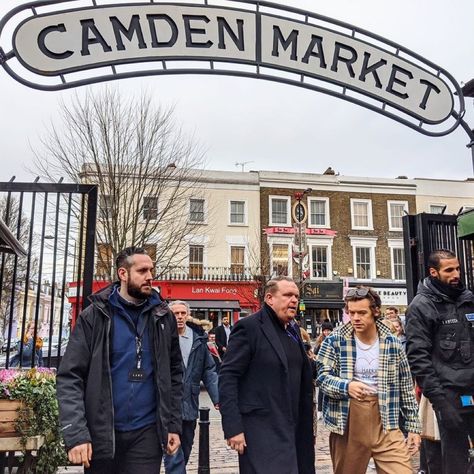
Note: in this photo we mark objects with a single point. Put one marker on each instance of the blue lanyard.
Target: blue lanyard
(292, 333)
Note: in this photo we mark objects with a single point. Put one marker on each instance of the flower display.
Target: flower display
(36, 389)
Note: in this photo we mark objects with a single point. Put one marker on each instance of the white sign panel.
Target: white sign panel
(53, 44)
(341, 59)
(318, 52)
(393, 296)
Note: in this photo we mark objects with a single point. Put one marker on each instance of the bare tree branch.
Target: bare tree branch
(144, 165)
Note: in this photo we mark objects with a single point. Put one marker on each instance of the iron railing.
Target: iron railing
(56, 224)
(424, 233)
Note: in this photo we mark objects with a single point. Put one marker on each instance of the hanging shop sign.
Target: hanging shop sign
(49, 48)
(292, 231)
(324, 290)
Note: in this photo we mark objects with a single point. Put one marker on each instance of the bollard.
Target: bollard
(203, 465)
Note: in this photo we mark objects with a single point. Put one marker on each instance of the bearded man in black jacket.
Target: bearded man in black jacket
(119, 385)
(440, 349)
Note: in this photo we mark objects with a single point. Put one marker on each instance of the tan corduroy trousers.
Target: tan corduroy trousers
(364, 438)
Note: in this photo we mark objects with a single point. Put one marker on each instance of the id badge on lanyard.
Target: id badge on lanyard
(137, 374)
(470, 318)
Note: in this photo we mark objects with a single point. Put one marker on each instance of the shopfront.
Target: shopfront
(210, 300)
(213, 300)
(321, 300)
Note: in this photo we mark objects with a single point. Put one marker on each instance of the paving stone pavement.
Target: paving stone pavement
(225, 461)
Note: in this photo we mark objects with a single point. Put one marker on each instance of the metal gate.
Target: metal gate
(56, 224)
(424, 233)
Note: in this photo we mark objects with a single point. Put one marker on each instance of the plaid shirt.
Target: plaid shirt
(335, 362)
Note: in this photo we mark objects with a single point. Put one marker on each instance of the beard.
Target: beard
(137, 292)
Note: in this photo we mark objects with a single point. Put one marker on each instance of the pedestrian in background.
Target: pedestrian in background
(391, 313)
(266, 390)
(198, 366)
(212, 346)
(400, 332)
(326, 329)
(440, 348)
(364, 374)
(119, 384)
(222, 335)
(32, 350)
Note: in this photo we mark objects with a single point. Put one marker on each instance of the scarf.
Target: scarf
(452, 292)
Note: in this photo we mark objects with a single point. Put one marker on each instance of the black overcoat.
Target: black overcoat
(221, 339)
(255, 399)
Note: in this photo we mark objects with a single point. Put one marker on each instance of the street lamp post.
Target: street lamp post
(300, 215)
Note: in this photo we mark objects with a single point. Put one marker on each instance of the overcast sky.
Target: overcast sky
(280, 127)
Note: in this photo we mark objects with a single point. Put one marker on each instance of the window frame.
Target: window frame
(311, 262)
(371, 244)
(104, 249)
(392, 245)
(155, 209)
(203, 247)
(370, 221)
(389, 213)
(288, 211)
(238, 224)
(244, 248)
(434, 204)
(204, 212)
(107, 210)
(280, 241)
(327, 223)
(321, 241)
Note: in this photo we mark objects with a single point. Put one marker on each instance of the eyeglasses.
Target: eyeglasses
(357, 292)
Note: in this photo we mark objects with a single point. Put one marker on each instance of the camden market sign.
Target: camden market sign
(258, 39)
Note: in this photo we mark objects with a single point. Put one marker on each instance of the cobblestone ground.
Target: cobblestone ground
(224, 461)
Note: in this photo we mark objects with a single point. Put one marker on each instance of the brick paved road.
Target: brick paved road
(224, 460)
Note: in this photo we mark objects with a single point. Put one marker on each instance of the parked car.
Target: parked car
(14, 345)
(54, 346)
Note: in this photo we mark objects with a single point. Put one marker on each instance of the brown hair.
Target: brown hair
(364, 293)
(272, 285)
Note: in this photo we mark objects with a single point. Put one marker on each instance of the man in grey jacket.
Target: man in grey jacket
(119, 384)
(198, 366)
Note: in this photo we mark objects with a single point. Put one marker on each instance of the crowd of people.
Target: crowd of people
(387, 384)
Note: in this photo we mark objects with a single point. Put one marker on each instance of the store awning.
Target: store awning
(214, 304)
(9, 243)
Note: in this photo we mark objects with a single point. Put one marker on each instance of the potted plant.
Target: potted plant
(33, 393)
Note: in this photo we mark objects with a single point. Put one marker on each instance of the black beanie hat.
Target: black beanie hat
(327, 325)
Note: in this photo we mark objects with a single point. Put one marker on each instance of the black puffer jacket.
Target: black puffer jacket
(84, 384)
(440, 341)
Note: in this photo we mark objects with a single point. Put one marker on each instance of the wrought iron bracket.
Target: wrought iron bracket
(3, 57)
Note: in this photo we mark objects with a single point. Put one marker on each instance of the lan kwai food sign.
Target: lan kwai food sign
(254, 40)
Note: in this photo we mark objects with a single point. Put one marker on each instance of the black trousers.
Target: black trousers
(455, 445)
(430, 457)
(136, 452)
(187, 438)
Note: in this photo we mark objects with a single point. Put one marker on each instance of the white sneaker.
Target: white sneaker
(372, 464)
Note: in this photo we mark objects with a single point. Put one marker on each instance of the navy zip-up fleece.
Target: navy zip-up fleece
(134, 402)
